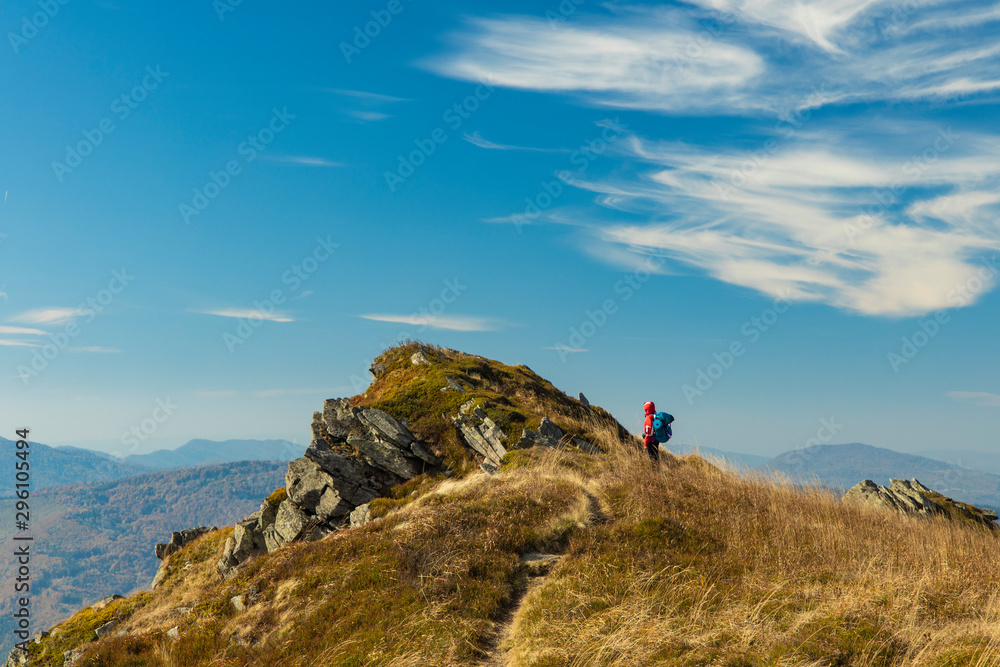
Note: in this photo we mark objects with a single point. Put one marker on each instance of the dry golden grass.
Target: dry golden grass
(703, 566)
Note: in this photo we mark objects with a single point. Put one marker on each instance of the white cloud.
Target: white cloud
(446, 322)
(17, 343)
(765, 56)
(980, 397)
(21, 331)
(806, 222)
(304, 160)
(477, 139)
(247, 313)
(49, 315)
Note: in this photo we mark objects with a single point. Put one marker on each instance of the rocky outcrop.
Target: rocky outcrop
(548, 435)
(912, 497)
(177, 540)
(481, 434)
(355, 454)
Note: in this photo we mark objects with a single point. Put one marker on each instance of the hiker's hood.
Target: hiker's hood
(650, 408)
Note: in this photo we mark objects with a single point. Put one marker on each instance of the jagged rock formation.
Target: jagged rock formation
(481, 434)
(355, 454)
(177, 540)
(912, 497)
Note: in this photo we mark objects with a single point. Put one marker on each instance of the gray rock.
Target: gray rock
(353, 480)
(290, 521)
(361, 516)
(178, 540)
(550, 430)
(238, 604)
(418, 358)
(226, 565)
(489, 468)
(71, 657)
(105, 601)
(339, 421)
(247, 540)
(530, 438)
(424, 454)
(267, 514)
(912, 497)
(272, 539)
(105, 630)
(384, 427)
(388, 457)
(454, 385)
(376, 369)
(482, 435)
(583, 399)
(174, 633)
(39, 636)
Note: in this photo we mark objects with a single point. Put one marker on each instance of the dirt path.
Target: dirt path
(537, 568)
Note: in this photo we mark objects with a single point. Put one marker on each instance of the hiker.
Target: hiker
(656, 429)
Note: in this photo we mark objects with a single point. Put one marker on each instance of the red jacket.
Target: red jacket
(647, 427)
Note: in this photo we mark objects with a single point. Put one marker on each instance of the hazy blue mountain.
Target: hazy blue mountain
(737, 459)
(210, 452)
(55, 466)
(843, 466)
(95, 540)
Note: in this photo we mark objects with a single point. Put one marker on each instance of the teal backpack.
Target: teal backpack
(661, 426)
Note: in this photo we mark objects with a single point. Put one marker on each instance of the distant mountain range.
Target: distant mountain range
(57, 466)
(210, 452)
(843, 466)
(94, 540)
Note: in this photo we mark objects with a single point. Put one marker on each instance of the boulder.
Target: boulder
(481, 434)
(290, 521)
(384, 427)
(376, 369)
(174, 633)
(105, 630)
(912, 497)
(105, 601)
(388, 457)
(583, 399)
(238, 603)
(418, 358)
(178, 540)
(361, 516)
(453, 385)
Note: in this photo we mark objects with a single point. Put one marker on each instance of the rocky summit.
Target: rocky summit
(465, 512)
(912, 497)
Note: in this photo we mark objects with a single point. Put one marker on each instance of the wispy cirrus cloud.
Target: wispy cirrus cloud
(246, 313)
(21, 331)
(888, 222)
(303, 160)
(365, 106)
(17, 343)
(979, 397)
(477, 139)
(444, 322)
(94, 349)
(49, 315)
(760, 56)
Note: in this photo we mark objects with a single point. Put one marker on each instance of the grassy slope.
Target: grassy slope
(680, 565)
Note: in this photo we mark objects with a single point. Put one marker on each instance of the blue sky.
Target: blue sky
(767, 216)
